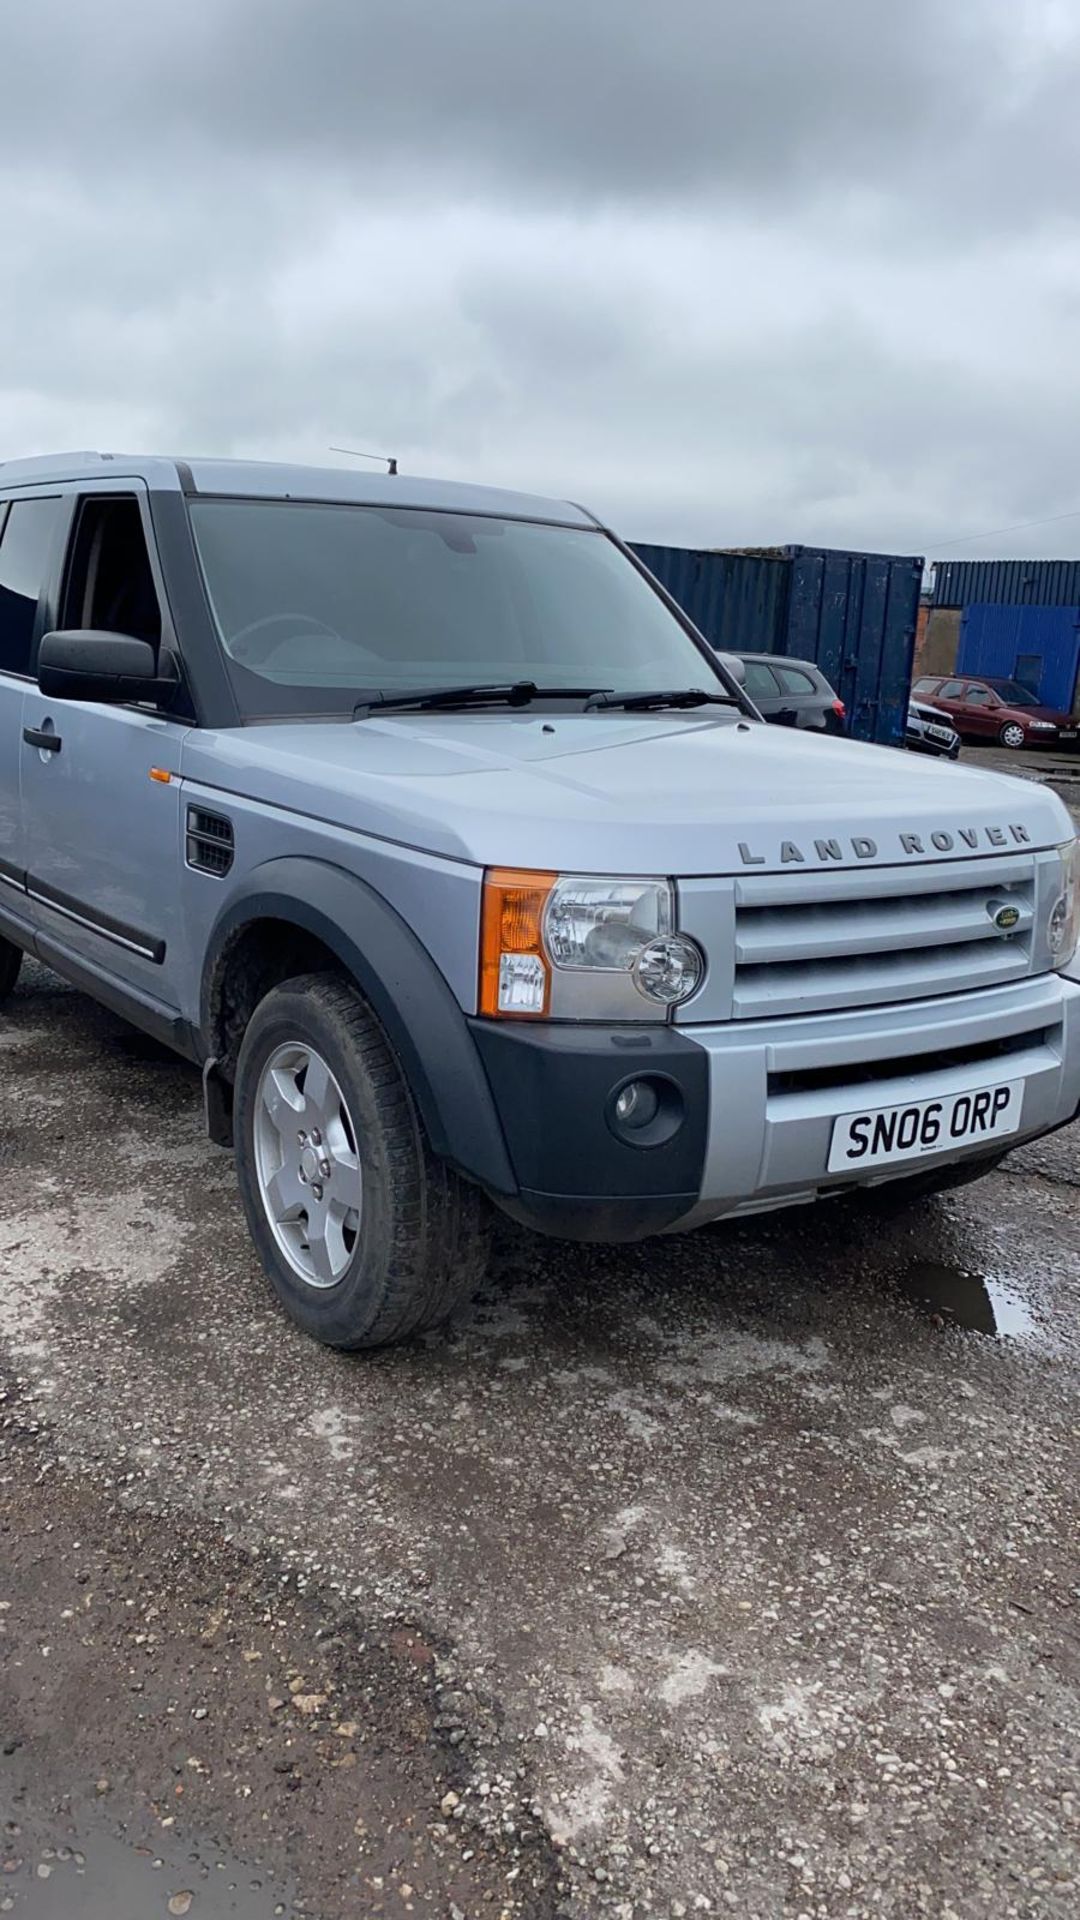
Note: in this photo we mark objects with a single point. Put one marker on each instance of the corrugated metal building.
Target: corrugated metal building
(1021, 583)
(852, 613)
(1014, 618)
(1039, 646)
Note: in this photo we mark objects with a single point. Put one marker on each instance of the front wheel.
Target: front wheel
(10, 962)
(1012, 734)
(364, 1235)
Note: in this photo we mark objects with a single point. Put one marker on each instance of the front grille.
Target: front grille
(864, 1072)
(806, 944)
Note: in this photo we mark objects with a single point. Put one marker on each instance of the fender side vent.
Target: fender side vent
(209, 842)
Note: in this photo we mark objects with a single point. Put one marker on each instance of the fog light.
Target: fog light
(646, 1112)
(669, 969)
(637, 1104)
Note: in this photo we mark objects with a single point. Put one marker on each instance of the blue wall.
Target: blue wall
(1038, 645)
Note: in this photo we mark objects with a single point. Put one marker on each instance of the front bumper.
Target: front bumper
(942, 742)
(759, 1099)
(787, 1081)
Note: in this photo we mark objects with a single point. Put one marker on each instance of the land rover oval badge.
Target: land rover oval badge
(1005, 918)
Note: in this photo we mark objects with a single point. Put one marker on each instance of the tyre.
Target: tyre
(10, 962)
(1012, 734)
(364, 1235)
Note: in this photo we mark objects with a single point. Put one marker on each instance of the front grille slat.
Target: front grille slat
(798, 887)
(769, 935)
(864, 1073)
(870, 937)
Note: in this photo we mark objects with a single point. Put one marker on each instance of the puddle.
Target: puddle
(57, 1870)
(968, 1300)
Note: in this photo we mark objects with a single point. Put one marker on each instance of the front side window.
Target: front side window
(761, 682)
(794, 680)
(320, 606)
(25, 549)
(110, 583)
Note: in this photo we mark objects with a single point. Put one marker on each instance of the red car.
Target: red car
(1002, 710)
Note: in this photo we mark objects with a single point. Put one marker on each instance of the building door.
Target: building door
(1029, 671)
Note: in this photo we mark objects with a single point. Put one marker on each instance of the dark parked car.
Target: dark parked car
(930, 731)
(793, 693)
(1002, 710)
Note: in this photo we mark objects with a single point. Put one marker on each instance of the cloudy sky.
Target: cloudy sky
(731, 271)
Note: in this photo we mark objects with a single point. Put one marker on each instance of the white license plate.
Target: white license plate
(938, 733)
(1067, 733)
(880, 1136)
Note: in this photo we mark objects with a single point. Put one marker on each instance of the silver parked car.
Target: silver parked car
(930, 731)
(421, 819)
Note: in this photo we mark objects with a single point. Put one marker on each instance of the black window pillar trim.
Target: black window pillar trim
(195, 637)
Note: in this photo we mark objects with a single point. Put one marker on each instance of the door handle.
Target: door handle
(45, 742)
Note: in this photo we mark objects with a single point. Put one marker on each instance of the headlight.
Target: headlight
(1041, 726)
(1063, 922)
(583, 948)
(604, 923)
(668, 970)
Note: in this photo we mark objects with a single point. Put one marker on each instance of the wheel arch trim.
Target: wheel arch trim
(402, 984)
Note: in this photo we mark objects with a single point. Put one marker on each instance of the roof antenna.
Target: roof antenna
(355, 454)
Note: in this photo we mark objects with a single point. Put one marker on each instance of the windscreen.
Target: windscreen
(1013, 694)
(319, 606)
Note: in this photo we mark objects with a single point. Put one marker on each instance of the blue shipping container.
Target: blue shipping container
(739, 601)
(855, 615)
(852, 613)
(1039, 646)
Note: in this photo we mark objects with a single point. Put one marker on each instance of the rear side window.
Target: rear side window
(25, 550)
(926, 686)
(979, 697)
(952, 690)
(761, 682)
(794, 680)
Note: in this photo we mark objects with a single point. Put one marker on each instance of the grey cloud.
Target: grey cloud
(574, 99)
(730, 270)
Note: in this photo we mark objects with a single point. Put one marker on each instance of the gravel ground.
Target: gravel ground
(728, 1573)
(1061, 771)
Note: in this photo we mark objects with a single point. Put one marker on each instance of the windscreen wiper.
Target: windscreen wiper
(514, 693)
(672, 697)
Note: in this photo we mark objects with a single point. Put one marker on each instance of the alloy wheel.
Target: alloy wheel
(307, 1164)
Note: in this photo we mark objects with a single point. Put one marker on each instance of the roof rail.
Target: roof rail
(51, 459)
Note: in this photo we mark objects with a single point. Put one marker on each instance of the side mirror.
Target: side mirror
(83, 664)
(735, 666)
